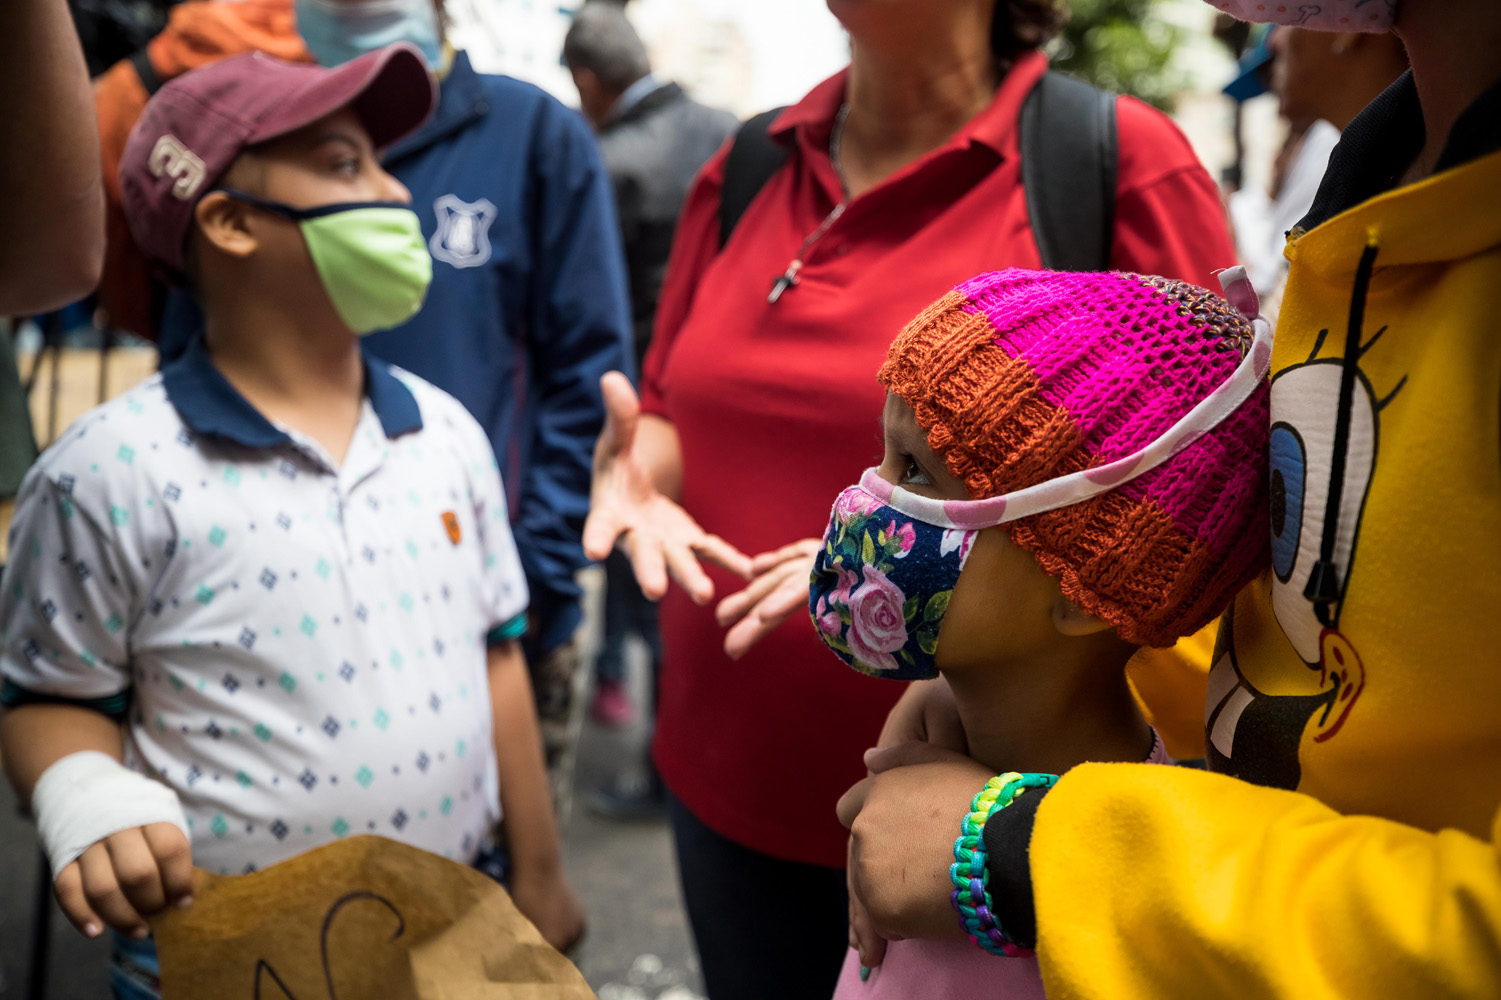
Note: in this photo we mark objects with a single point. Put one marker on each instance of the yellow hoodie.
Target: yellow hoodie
(1347, 845)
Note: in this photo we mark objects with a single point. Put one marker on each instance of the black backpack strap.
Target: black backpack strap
(752, 159)
(147, 72)
(1069, 158)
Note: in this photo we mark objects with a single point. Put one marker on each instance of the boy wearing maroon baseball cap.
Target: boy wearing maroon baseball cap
(269, 598)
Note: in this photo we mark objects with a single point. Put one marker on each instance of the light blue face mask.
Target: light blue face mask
(337, 31)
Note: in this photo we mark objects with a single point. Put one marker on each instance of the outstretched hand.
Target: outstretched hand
(626, 508)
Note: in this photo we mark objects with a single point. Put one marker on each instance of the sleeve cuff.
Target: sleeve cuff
(12, 695)
(515, 628)
(1008, 838)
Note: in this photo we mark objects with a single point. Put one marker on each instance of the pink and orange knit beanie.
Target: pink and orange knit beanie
(1022, 376)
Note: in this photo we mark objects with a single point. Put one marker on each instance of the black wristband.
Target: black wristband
(1008, 837)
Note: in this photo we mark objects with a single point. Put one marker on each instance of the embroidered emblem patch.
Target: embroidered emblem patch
(463, 234)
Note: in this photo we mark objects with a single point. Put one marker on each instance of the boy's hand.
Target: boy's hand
(548, 901)
(126, 878)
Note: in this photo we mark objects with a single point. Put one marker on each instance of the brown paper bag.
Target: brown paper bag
(360, 919)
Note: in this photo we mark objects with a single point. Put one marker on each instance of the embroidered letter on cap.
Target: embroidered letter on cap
(170, 158)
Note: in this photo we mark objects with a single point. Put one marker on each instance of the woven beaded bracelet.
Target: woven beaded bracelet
(971, 895)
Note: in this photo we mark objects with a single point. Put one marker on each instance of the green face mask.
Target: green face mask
(370, 256)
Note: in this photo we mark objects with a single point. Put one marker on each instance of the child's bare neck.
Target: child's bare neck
(1048, 718)
(309, 379)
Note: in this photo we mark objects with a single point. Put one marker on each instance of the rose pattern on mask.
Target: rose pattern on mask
(880, 587)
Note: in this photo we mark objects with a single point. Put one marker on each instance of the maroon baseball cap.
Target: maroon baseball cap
(197, 124)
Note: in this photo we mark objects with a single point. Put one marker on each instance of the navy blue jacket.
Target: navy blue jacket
(528, 306)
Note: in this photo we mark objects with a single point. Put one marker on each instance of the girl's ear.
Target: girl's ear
(1071, 620)
(223, 223)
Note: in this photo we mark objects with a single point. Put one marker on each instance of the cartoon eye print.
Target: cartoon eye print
(1321, 466)
(1289, 468)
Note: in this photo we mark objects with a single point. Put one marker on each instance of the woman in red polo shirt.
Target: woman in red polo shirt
(903, 180)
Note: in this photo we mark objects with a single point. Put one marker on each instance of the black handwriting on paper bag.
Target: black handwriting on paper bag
(263, 968)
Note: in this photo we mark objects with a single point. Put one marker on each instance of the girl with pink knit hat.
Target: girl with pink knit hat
(1074, 468)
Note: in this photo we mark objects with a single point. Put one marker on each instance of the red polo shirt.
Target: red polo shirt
(778, 409)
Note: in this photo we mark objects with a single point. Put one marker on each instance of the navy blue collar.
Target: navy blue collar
(208, 404)
(461, 99)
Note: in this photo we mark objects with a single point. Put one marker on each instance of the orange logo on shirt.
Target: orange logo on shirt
(451, 522)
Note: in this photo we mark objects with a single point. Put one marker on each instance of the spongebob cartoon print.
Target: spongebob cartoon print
(1324, 454)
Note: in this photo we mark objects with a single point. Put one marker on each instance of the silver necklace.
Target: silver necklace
(789, 277)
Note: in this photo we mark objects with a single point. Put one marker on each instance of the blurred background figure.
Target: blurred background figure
(51, 199)
(654, 139)
(1321, 81)
(51, 205)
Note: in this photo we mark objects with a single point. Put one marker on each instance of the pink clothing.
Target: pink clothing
(950, 969)
(940, 970)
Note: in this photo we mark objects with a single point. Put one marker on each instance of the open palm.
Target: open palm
(626, 508)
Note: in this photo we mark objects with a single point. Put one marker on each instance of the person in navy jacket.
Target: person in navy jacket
(528, 306)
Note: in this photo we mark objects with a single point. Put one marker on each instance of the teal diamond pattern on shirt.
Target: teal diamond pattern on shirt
(126, 454)
(364, 776)
(232, 475)
(340, 828)
(118, 516)
(382, 720)
(287, 682)
(205, 594)
(323, 568)
(308, 626)
(216, 537)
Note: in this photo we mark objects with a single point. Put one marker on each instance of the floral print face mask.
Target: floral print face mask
(881, 585)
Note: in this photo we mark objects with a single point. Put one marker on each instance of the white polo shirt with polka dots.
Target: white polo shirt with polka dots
(298, 647)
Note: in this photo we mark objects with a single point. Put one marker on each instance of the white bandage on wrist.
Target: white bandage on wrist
(87, 796)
